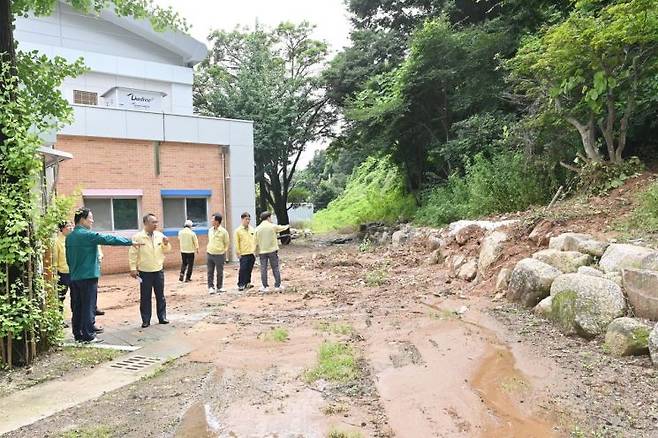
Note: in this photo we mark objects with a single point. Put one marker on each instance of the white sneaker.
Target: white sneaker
(280, 288)
(264, 290)
(211, 290)
(221, 290)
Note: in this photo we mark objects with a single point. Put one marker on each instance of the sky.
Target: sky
(330, 17)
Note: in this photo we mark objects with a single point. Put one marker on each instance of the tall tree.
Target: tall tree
(272, 78)
(593, 70)
(31, 104)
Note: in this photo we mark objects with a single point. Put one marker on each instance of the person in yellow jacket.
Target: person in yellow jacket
(218, 242)
(189, 245)
(59, 261)
(245, 247)
(147, 265)
(267, 247)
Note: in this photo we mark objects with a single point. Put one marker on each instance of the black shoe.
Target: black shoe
(145, 324)
(187, 280)
(163, 321)
(240, 288)
(99, 312)
(99, 329)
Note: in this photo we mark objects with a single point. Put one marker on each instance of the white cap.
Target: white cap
(189, 223)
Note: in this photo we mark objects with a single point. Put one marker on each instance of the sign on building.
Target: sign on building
(131, 98)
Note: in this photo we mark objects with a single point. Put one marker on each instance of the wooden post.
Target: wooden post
(9, 346)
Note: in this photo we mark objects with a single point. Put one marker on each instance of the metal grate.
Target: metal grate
(135, 363)
(85, 97)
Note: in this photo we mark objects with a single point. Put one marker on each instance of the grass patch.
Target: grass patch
(335, 433)
(376, 278)
(335, 409)
(164, 366)
(87, 356)
(644, 218)
(444, 314)
(88, 432)
(336, 362)
(335, 328)
(278, 334)
(503, 183)
(375, 192)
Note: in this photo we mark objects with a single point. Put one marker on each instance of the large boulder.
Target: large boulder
(585, 305)
(641, 287)
(531, 281)
(469, 270)
(400, 237)
(592, 247)
(544, 308)
(627, 337)
(541, 233)
(650, 262)
(565, 261)
(468, 233)
(588, 270)
(436, 257)
(491, 249)
(567, 241)
(653, 345)
(620, 256)
(502, 280)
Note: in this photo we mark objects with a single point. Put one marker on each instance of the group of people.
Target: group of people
(77, 256)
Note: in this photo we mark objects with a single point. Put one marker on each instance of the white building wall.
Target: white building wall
(70, 29)
(115, 57)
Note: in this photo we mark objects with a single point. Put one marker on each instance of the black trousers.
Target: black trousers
(187, 265)
(63, 284)
(246, 266)
(83, 293)
(152, 282)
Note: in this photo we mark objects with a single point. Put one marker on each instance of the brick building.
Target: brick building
(137, 147)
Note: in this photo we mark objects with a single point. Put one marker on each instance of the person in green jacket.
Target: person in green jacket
(84, 270)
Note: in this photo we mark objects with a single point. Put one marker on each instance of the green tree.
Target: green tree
(32, 104)
(596, 70)
(272, 78)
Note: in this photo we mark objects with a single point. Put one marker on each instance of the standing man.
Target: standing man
(82, 257)
(59, 262)
(245, 247)
(189, 245)
(147, 264)
(267, 244)
(218, 241)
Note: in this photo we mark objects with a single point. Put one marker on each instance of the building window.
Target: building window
(114, 214)
(178, 210)
(85, 97)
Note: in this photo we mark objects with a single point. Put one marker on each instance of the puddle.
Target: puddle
(496, 379)
(198, 422)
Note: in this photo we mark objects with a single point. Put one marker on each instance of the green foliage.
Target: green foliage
(88, 432)
(593, 69)
(336, 362)
(504, 183)
(336, 433)
(376, 278)
(277, 334)
(645, 216)
(598, 178)
(335, 328)
(375, 192)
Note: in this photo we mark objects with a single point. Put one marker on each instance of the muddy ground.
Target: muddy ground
(436, 359)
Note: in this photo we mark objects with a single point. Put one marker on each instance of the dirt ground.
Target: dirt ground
(436, 358)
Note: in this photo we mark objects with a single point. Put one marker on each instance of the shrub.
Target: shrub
(645, 216)
(500, 184)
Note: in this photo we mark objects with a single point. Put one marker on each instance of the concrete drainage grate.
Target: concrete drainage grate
(135, 363)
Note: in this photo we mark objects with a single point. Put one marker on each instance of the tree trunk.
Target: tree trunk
(588, 135)
(608, 129)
